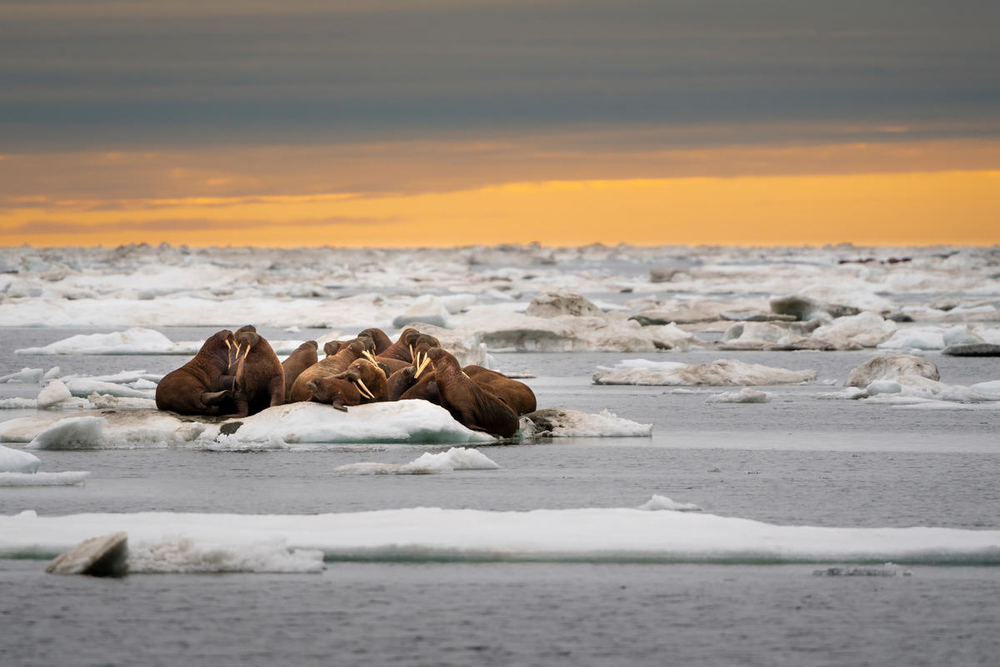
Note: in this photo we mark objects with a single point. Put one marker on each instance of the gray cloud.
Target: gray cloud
(107, 73)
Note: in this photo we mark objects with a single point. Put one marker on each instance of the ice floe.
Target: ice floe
(721, 372)
(456, 458)
(69, 478)
(16, 461)
(25, 375)
(563, 423)
(429, 534)
(52, 394)
(134, 341)
(745, 395)
(183, 555)
(661, 503)
(889, 366)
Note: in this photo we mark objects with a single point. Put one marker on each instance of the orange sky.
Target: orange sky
(456, 194)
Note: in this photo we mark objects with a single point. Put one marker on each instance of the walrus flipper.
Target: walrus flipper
(213, 397)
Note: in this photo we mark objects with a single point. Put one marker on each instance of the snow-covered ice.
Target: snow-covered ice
(564, 423)
(69, 478)
(25, 375)
(456, 458)
(721, 372)
(745, 395)
(586, 534)
(55, 392)
(16, 461)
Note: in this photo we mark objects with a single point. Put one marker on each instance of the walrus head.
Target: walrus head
(379, 338)
(334, 391)
(332, 347)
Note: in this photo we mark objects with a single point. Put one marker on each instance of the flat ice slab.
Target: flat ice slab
(719, 373)
(587, 534)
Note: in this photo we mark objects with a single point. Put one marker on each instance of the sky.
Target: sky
(451, 122)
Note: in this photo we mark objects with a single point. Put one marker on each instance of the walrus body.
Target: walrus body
(302, 358)
(400, 350)
(260, 378)
(334, 390)
(369, 378)
(424, 388)
(202, 385)
(475, 407)
(379, 339)
(516, 395)
(332, 365)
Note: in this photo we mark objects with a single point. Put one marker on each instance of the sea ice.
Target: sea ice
(182, 555)
(85, 387)
(745, 395)
(69, 478)
(414, 422)
(915, 338)
(658, 503)
(563, 423)
(721, 372)
(71, 433)
(427, 309)
(25, 375)
(586, 534)
(456, 458)
(889, 366)
(17, 403)
(16, 461)
(54, 393)
(866, 329)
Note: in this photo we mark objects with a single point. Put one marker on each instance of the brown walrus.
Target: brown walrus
(379, 338)
(333, 365)
(260, 378)
(475, 407)
(302, 358)
(400, 350)
(517, 395)
(202, 384)
(362, 382)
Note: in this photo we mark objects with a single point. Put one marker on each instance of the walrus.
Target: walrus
(260, 377)
(412, 382)
(302, 358)
(332, 365)
(475, 407)
(334, 390)
(517, 395)
(203, 384)
(400, 350)
(379, 338)
(369, 378)
(417, 345)
(332, 347)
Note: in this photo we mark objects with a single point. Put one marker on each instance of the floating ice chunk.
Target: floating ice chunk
(552, 304)
(108, 402)
(17, 403)
(585, 534)
(52, 373)
(866, 329)
(889, 366)
(745, 395)
(16, 461)
(71, 433)
(103, 556)
(130, 341)
(916, 338)
(721, 372)
(293, 330)
(142, 384)
(960, 335)
(54, 393)
(25, 375)
(456, 458)
(992, 388)
(426, 309)
(182, 555)
(883, 387)
(887, 570)
(563, 423)
(658, 503)
(69, 478)
(122, 377)
(456, 303)
(84, 388)
(416, 422)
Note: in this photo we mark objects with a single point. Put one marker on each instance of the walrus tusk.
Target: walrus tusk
(421, 367)
(228, 344)
(411, 353)
(368, 355)
(364, 390)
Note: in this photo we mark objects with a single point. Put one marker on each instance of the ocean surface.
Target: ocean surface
(803, 459)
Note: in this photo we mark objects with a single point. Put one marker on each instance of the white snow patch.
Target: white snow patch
(71, 433)
(18, 403)
(992, 387)
(85, 387)
(915, 338)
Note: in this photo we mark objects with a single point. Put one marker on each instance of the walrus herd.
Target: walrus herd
(239, 374)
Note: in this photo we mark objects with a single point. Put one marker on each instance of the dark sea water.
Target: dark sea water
(799, 460)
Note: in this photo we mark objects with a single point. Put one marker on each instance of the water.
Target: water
(799, 460)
